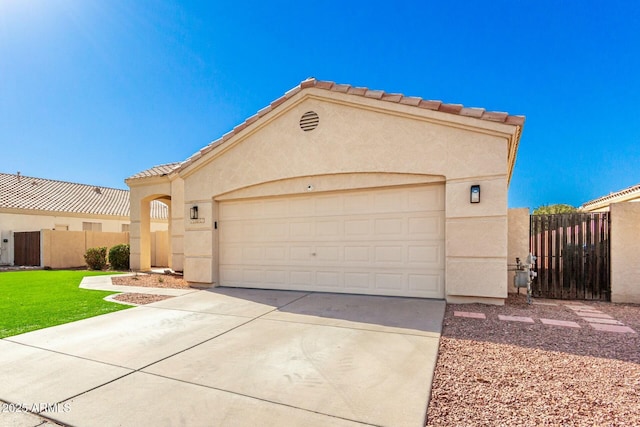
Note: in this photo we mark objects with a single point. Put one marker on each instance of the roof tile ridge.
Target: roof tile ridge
(458, 109)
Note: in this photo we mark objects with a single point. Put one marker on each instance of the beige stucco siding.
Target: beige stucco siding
(518, 239)
(347, 140)
(358, 138)
(625, 252)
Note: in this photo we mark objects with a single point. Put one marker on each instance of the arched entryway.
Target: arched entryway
(153, 246)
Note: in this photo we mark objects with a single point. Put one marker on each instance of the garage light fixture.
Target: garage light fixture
(194, 212)
(475, 194)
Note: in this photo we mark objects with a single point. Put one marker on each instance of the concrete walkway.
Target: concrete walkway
(235, 357)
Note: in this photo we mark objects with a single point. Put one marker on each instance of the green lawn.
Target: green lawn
(31, 300)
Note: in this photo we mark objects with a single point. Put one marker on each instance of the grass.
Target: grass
(31, 300)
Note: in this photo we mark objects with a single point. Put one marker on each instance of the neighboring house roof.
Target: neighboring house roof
(30, 193)
(628, 194)
(457, 109)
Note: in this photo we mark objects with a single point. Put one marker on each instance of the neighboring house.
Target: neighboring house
(624, 245)
(34, 204)
(602, 204)
(341, 189)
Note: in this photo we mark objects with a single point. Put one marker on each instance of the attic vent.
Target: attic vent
(309, 121)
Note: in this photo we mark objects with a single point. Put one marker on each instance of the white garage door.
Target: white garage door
(381, 242)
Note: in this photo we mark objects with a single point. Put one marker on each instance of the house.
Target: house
(602, 204)
(342, 189)
(624, 246)
(30, 204)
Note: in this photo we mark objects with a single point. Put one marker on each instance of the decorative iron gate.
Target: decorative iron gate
(573, 256)
(26, 248)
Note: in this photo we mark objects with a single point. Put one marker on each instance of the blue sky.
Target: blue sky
(93, 91)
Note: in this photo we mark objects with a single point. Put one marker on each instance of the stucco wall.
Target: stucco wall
(518, 239)
(360, 137)
(66, 249)
(160, 249)
(625, 252)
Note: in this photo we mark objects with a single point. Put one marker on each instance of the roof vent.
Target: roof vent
(309, 121)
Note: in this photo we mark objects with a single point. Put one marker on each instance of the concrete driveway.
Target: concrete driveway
(230, 357)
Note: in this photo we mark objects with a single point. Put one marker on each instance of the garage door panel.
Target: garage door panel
(393, 201)
(300, 253)
(329, 205)
(275, 253)
(301, 277)
(427, 199)
(275, 277)
(328, 253)
(389, 254)
(427, 226)
(301, 207)
(329, 229)
(388, 281)
(357, 227)
(302, 230)
(357, 254)
(331, 279)
(379, 241)
(389, 226)
(358, 281)
(231, 275)
(426, 282)
(358, 203)
(430, 255)
(274, 208)
(231, 255)
(275, 231)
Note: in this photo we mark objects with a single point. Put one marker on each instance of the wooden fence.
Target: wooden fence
(573, 255)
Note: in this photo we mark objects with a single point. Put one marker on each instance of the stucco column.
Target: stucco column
(476, 241)
(198, 243)
(625, 252)
(145, 235)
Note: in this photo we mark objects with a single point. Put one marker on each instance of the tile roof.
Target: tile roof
(622, 195)
(457, 109)
(25, 192)
(159, 170)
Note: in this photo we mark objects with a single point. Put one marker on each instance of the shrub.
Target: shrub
(119, 257)
(96, 258)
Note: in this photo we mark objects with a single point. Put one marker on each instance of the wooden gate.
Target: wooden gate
(573, 256)
(26, 248)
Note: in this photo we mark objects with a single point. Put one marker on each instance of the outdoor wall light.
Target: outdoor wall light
(194, 212)
(475, 194)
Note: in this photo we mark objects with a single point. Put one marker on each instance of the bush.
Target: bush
(96, 258)
(119, 257)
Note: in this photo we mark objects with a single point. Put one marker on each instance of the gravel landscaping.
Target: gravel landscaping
(152, 280)
(172, 281)
(492, 372)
